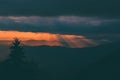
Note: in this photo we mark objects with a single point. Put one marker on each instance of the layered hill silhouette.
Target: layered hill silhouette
(94, 63)
(60, 63)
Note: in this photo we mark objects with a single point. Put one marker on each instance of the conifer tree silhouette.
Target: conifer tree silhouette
(17, 67)
(17, 54)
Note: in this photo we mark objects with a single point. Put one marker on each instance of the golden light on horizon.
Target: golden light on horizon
(44, 38)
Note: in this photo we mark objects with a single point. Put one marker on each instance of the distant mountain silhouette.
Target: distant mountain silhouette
(94, 63)
(62, 63)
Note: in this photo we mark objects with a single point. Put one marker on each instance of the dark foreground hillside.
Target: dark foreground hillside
(59, 63)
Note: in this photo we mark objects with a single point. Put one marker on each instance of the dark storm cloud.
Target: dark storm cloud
(60, 7)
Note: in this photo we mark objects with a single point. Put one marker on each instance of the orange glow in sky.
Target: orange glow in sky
(40, 38)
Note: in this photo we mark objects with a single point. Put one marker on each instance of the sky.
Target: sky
(95, 20)
(105, 8)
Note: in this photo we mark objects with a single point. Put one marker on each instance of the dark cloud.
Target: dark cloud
(105, 8)
(63, 24)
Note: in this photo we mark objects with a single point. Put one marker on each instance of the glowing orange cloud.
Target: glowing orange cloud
(39, 38)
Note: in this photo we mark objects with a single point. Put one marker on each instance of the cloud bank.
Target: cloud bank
(61, 24)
